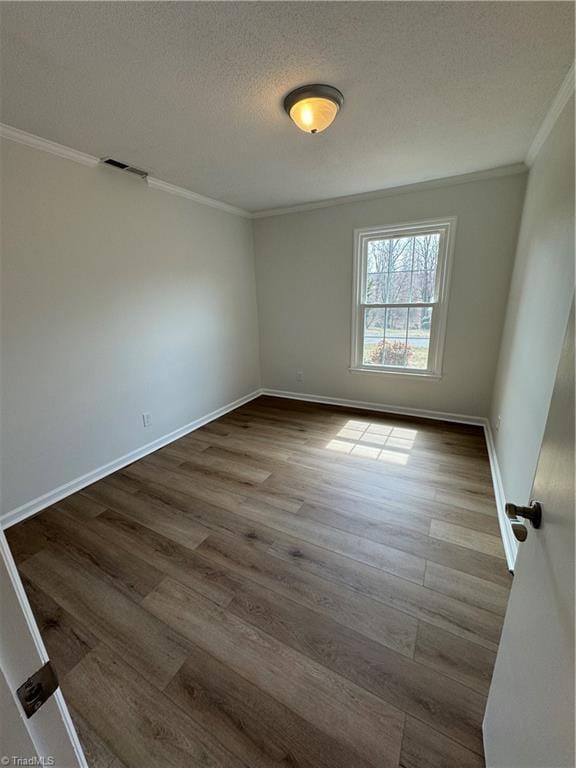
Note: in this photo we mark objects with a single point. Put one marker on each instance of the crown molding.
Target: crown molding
(22, 137)
(445, 181)
(189, 195)
(554, 112)
(45, 145)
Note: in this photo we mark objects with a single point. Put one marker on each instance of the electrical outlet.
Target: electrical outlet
(498, 422)
(299, 376)
(147, 419)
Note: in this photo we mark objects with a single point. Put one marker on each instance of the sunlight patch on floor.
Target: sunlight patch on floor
(374, 441)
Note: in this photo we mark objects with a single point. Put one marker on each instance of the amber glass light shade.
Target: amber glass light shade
(314, 115)
(313, 107)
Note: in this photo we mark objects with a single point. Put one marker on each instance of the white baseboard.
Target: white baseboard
(509, 542)
(381, 408)
(36, 505)
(508, 539)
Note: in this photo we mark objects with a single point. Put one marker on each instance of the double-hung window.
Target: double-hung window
(401, 280)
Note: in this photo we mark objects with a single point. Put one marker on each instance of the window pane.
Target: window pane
(376, 288)
(399, 251)
(376, 272)
(418, 340)
(426, 249)
(374, 324)
(385, 337)
(401, 270)
(395, 343)
(399, 284)
(386, 258)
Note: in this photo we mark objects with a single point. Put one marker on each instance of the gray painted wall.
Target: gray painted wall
(304, 277)
(540, 297)
(117, 299)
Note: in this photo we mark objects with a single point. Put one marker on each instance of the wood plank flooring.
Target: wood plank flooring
(292, 585)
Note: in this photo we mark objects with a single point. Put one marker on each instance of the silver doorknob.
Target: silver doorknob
(533, 513)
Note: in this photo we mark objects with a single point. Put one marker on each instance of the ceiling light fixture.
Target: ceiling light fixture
(313, 107)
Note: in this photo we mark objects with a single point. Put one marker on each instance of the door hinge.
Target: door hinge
(37, 689)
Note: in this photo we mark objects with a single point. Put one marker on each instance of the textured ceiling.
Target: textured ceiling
(193, 92)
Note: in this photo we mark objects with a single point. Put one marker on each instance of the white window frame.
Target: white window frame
(446, 227)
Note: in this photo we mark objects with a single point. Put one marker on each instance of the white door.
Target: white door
(529, 720)
(49, 735)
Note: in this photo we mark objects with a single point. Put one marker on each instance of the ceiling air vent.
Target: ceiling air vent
(124, 167)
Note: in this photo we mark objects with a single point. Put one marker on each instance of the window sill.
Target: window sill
(405, 374)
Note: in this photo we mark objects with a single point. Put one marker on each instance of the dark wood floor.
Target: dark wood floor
(292, 585)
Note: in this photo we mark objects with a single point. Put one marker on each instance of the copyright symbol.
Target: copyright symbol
(4, 760)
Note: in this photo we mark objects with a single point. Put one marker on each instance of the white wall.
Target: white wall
(304, 277)
(116, 299)
(541, 294)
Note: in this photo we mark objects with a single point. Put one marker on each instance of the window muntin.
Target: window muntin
(401, 283)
